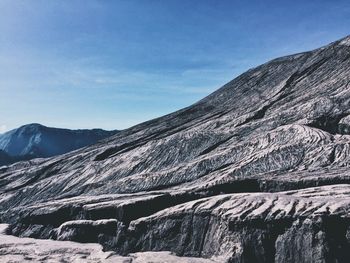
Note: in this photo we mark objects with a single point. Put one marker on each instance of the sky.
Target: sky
(113, 64)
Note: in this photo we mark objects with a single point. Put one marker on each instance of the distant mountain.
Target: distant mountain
(35, 140)
(5, 158)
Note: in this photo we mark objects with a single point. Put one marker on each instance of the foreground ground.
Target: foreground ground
(14, 249)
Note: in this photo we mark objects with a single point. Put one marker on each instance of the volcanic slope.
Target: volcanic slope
(258, 171)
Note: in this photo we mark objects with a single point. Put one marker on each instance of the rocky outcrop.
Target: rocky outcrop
(255, 172)
(310, 225)
(14, 249)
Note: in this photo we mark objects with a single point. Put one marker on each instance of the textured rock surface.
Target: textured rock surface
(258, 171)
(14, 249)
(35, 140)
(310, 225)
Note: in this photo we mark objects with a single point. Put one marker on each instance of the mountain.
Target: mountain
(35, 140)
(258, 171)
(5, 158)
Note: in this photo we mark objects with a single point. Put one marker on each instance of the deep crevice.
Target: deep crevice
(281, 94)
(336, 237)
(330, 124)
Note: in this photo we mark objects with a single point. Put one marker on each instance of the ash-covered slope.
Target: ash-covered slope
(35, 140)
(282, 126)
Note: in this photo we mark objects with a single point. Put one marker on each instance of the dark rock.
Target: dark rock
(88, 231)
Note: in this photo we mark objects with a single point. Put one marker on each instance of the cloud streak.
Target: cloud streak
(3, 128)
(114, 63)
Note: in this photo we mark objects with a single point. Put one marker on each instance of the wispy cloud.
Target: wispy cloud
(114, 63)
(3, 128)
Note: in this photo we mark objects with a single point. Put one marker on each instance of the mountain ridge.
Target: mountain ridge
(38, 141)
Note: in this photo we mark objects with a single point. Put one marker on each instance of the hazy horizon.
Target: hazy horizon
(114, 64)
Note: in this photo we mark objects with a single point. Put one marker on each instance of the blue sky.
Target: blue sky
(113, 64)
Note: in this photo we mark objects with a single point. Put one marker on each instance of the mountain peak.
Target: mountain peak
(33, 127)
